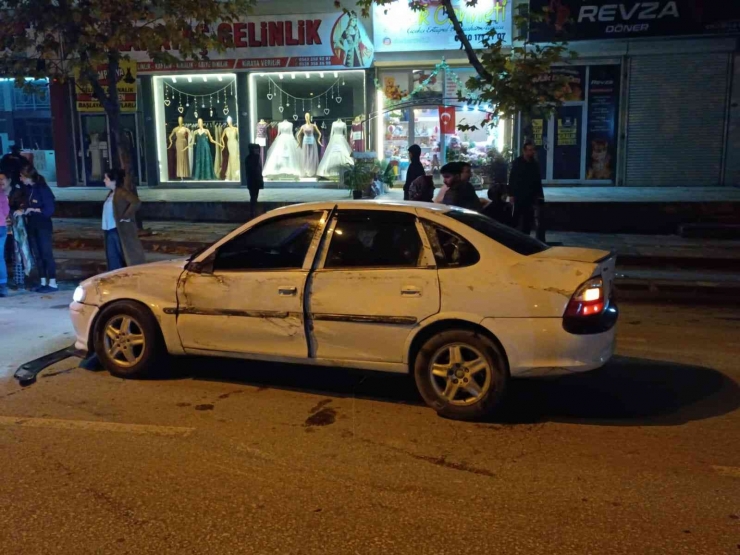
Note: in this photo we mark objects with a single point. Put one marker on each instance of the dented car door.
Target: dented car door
(248, 298)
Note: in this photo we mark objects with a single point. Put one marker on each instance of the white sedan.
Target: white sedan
(447, 294)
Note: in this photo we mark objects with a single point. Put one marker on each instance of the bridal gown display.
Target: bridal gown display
(284, 156)
(337, 153)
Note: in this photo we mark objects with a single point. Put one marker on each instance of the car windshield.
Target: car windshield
(508, 237)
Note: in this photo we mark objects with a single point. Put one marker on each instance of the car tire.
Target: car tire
(128, 341)
(461, 374)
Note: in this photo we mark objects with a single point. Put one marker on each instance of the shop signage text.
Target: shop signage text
(398, 28)
(126, 85)
(596, 19)
(320, 40)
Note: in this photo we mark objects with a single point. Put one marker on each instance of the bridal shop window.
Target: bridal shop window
(308, 123)
(197, 128)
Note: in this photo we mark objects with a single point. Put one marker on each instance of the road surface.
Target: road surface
(642, 456)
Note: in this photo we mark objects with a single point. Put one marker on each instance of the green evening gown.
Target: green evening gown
(203, 159)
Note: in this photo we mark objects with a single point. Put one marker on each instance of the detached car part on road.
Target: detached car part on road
(462, 302)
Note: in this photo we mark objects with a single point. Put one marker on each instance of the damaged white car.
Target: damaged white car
(449, 295)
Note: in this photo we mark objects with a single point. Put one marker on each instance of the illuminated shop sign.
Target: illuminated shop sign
(398, 28)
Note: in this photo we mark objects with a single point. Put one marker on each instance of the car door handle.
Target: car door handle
(411, 292)
(287, 291)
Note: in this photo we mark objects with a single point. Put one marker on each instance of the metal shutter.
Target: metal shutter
(676, 120)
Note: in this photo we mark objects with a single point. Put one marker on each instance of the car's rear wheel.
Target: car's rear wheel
(127, 340)
(461, 374)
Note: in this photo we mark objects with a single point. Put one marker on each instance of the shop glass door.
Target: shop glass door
(95, 153)
(131, 130)
(537, 130)
(426, 135)
(567, 143)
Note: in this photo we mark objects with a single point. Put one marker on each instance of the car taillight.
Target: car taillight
(588, 299)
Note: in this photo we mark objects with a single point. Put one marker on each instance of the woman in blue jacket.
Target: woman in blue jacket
(38, 222)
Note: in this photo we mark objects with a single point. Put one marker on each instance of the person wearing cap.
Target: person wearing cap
(415, 169)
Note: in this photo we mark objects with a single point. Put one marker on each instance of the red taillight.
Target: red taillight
(588, 300)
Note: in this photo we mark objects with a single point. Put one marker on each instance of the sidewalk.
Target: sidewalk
(645, 263)
(637, 210)
(292, 196)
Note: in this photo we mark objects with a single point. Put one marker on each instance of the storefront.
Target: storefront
(579, 142)
(26, 122)
(423, 106)
(654, 107)
(294, 85)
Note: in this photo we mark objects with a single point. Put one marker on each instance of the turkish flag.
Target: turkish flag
(447, 119)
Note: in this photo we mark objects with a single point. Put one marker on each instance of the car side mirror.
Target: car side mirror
(204, 266)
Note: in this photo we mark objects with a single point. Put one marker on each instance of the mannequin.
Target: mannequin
(199, 140)
(181, 144)
(284, 157)
(310, 147)
(261, 138)
(338, 152)
(358, 135)
(231, 139)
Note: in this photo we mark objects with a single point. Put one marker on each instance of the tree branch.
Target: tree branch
(469, 50)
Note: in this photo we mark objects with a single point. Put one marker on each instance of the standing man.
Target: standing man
(415, 169)
(525, 186)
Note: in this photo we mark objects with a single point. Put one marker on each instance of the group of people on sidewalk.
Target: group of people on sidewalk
(518, 203)
(26, 210)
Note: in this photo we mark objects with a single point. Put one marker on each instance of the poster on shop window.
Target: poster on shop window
(603, 116)
(567, 148)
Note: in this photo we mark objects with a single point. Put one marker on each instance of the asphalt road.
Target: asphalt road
(640, 457)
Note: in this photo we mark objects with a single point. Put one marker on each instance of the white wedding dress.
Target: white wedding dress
(338, 153)
(284, 156)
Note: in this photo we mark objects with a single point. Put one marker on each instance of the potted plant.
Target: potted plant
(358, 178)
(385, 174)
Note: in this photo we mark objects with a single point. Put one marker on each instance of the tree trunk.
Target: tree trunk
(120, 143)
(467, 47)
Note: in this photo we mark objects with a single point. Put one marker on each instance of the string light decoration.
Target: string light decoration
(274, 91)
(199, 100)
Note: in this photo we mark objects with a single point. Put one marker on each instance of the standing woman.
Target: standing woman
(255, 182)
(122, 245)
(40, 229)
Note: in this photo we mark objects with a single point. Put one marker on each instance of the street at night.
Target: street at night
(225, 456)
(360, 277)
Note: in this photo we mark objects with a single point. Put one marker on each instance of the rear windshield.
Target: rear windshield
(507, 236)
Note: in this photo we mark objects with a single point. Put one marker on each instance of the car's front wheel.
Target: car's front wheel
(461, 374)
(127, 340)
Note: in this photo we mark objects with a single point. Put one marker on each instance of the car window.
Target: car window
(277, 244)
(507, 236)
(374, 239)
(450, 250)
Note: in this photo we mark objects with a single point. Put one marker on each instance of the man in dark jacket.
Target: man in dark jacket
(456, 191)
(415, 169)
(525, 186)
